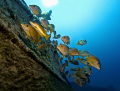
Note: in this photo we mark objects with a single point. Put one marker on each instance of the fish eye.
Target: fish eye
(27, 25)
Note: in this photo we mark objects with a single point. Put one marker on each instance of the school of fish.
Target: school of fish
(34, 31)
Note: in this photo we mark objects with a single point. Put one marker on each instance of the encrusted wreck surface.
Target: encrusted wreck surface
(22, 66)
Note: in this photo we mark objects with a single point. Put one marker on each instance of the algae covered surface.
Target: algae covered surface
(23, 66)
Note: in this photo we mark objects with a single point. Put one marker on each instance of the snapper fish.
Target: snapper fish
(82, 60)
(73, 69)
(75, 62)
(51, 28)
(45, 23)
(88, 70)
(74, 74)
(40, 29)
(42, 46)
(81, 73)
(94, 61)
(31, 32)
(61, 58)
(78, 81)
(36, 10)
(83, 53)
(64, 49)
(63, 67)
(66, 63)
(66, 39)
(67, 73)
(81, 42)
(73, 52)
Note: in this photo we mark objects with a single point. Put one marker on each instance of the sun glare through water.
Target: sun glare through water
(49, 3)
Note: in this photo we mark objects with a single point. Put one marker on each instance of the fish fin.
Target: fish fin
(68, 60)
(92, 55)
(39, 41)
(78, 58)
(47, 36)
(50, 46)
(51, 30)
(41, 35)
(78, 69)
(82, 58)
(84, 67)
(70, 48)
(72, 59)
(69, 75)
(79, 51)
(80, 40)
(75, 77)
(77, 43)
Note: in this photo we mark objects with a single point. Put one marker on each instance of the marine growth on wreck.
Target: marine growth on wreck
(39, 30)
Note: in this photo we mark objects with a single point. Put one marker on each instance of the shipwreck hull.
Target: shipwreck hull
(22, 66)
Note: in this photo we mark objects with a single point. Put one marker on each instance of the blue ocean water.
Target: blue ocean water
(97, 21)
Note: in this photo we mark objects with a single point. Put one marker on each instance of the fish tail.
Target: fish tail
(51, 30)
(77, 43)
(39, 41)
(47, 36)
(78, 58)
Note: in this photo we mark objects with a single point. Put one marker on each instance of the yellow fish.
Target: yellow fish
(83, 53)
(31, 32)
(94, 61)
(81, 42)
(78, 81)
(88, 70)
(66, 39)
(40, 29)
(50, 27)
(73, 52)
(82, 60)
(67, 73)
(36, 10)
(45, 23)
(42, 46)
(63, 67)
(64, 49)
